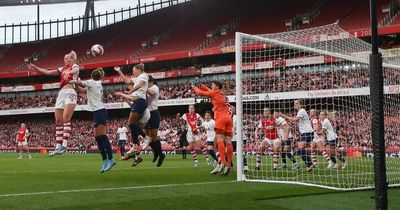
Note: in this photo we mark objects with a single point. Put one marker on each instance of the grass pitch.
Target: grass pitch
(73, 181)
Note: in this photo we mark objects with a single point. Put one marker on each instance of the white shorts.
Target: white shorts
(272, 142)
(318, 138)
(24, 143)
(146, 117)
(65, 97)
(192, 137)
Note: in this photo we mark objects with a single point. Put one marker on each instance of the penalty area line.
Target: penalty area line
(113, 189)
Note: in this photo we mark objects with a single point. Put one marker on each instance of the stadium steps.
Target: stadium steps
(312, 12)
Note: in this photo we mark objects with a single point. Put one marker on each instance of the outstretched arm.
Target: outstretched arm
(204, 87)
(53, 72)
(202, 92)
(122, 75)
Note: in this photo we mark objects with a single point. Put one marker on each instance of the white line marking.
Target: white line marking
(113, 188)
(114, 169)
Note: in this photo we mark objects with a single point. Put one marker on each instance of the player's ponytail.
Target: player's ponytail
(151, 79)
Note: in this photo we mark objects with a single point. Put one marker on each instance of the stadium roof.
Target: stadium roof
(35, 2)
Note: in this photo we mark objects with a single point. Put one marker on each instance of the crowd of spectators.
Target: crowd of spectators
(352, 127)
(286, 81)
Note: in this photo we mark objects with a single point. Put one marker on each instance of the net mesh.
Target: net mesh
(327, 69)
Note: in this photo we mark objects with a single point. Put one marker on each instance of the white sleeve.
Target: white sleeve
(280, 121)
(260, 125)
(184, 117)
(301, 113)
(212, 124)
(87, 83)
(325, 124)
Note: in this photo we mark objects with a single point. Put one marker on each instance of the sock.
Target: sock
(184, 154)
(340, 157)
(194, 156)
(229, 153)
(146, 142)
(205, 153)
(135, 130)
(333, 159)
(276, 159)
(132, 149)
(258, 159)
(157, 147)
(244, 160)
(217, 154)
(314, 157)
(221, 150)
(122, 149)
(107, 146)
(283, 156)
(67, 134)
(326, 156)
(291, 157)
(213, 155)
(306, 158)
(101, 148)
(59, 136)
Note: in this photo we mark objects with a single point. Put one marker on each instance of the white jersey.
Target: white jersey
(209, 126)
(234, 138)
(330, 133)
(280, 121)
(122, 133)
(152, 101)
(304, 122)
(141, 92)
(94, 94)
(191, 123)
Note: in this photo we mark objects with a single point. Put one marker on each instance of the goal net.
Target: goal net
(325, 71)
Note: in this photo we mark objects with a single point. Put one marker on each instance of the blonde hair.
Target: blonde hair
(72, 55)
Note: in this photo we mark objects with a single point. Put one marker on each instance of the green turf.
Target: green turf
(176, 185)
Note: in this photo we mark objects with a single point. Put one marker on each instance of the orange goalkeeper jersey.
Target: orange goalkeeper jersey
(218, 100)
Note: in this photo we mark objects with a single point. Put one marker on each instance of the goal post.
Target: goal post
(326, 69)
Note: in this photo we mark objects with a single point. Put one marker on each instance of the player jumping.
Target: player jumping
(223, 124)
(94, 91)
(140, 81)
(66, 100)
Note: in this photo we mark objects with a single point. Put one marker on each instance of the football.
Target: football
(97, 50)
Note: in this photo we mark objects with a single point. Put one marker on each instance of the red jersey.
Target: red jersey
(191, 120)
(315, 121)
(21, 134)
(70, 77)
(269, 126)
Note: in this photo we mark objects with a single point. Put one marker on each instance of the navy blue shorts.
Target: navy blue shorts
(122, 141)
(154, 121)
(100, 117)
(332, 142)
(210, 143)
(139, 106)
(307, 137)
(287, 142)
(234, 144)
